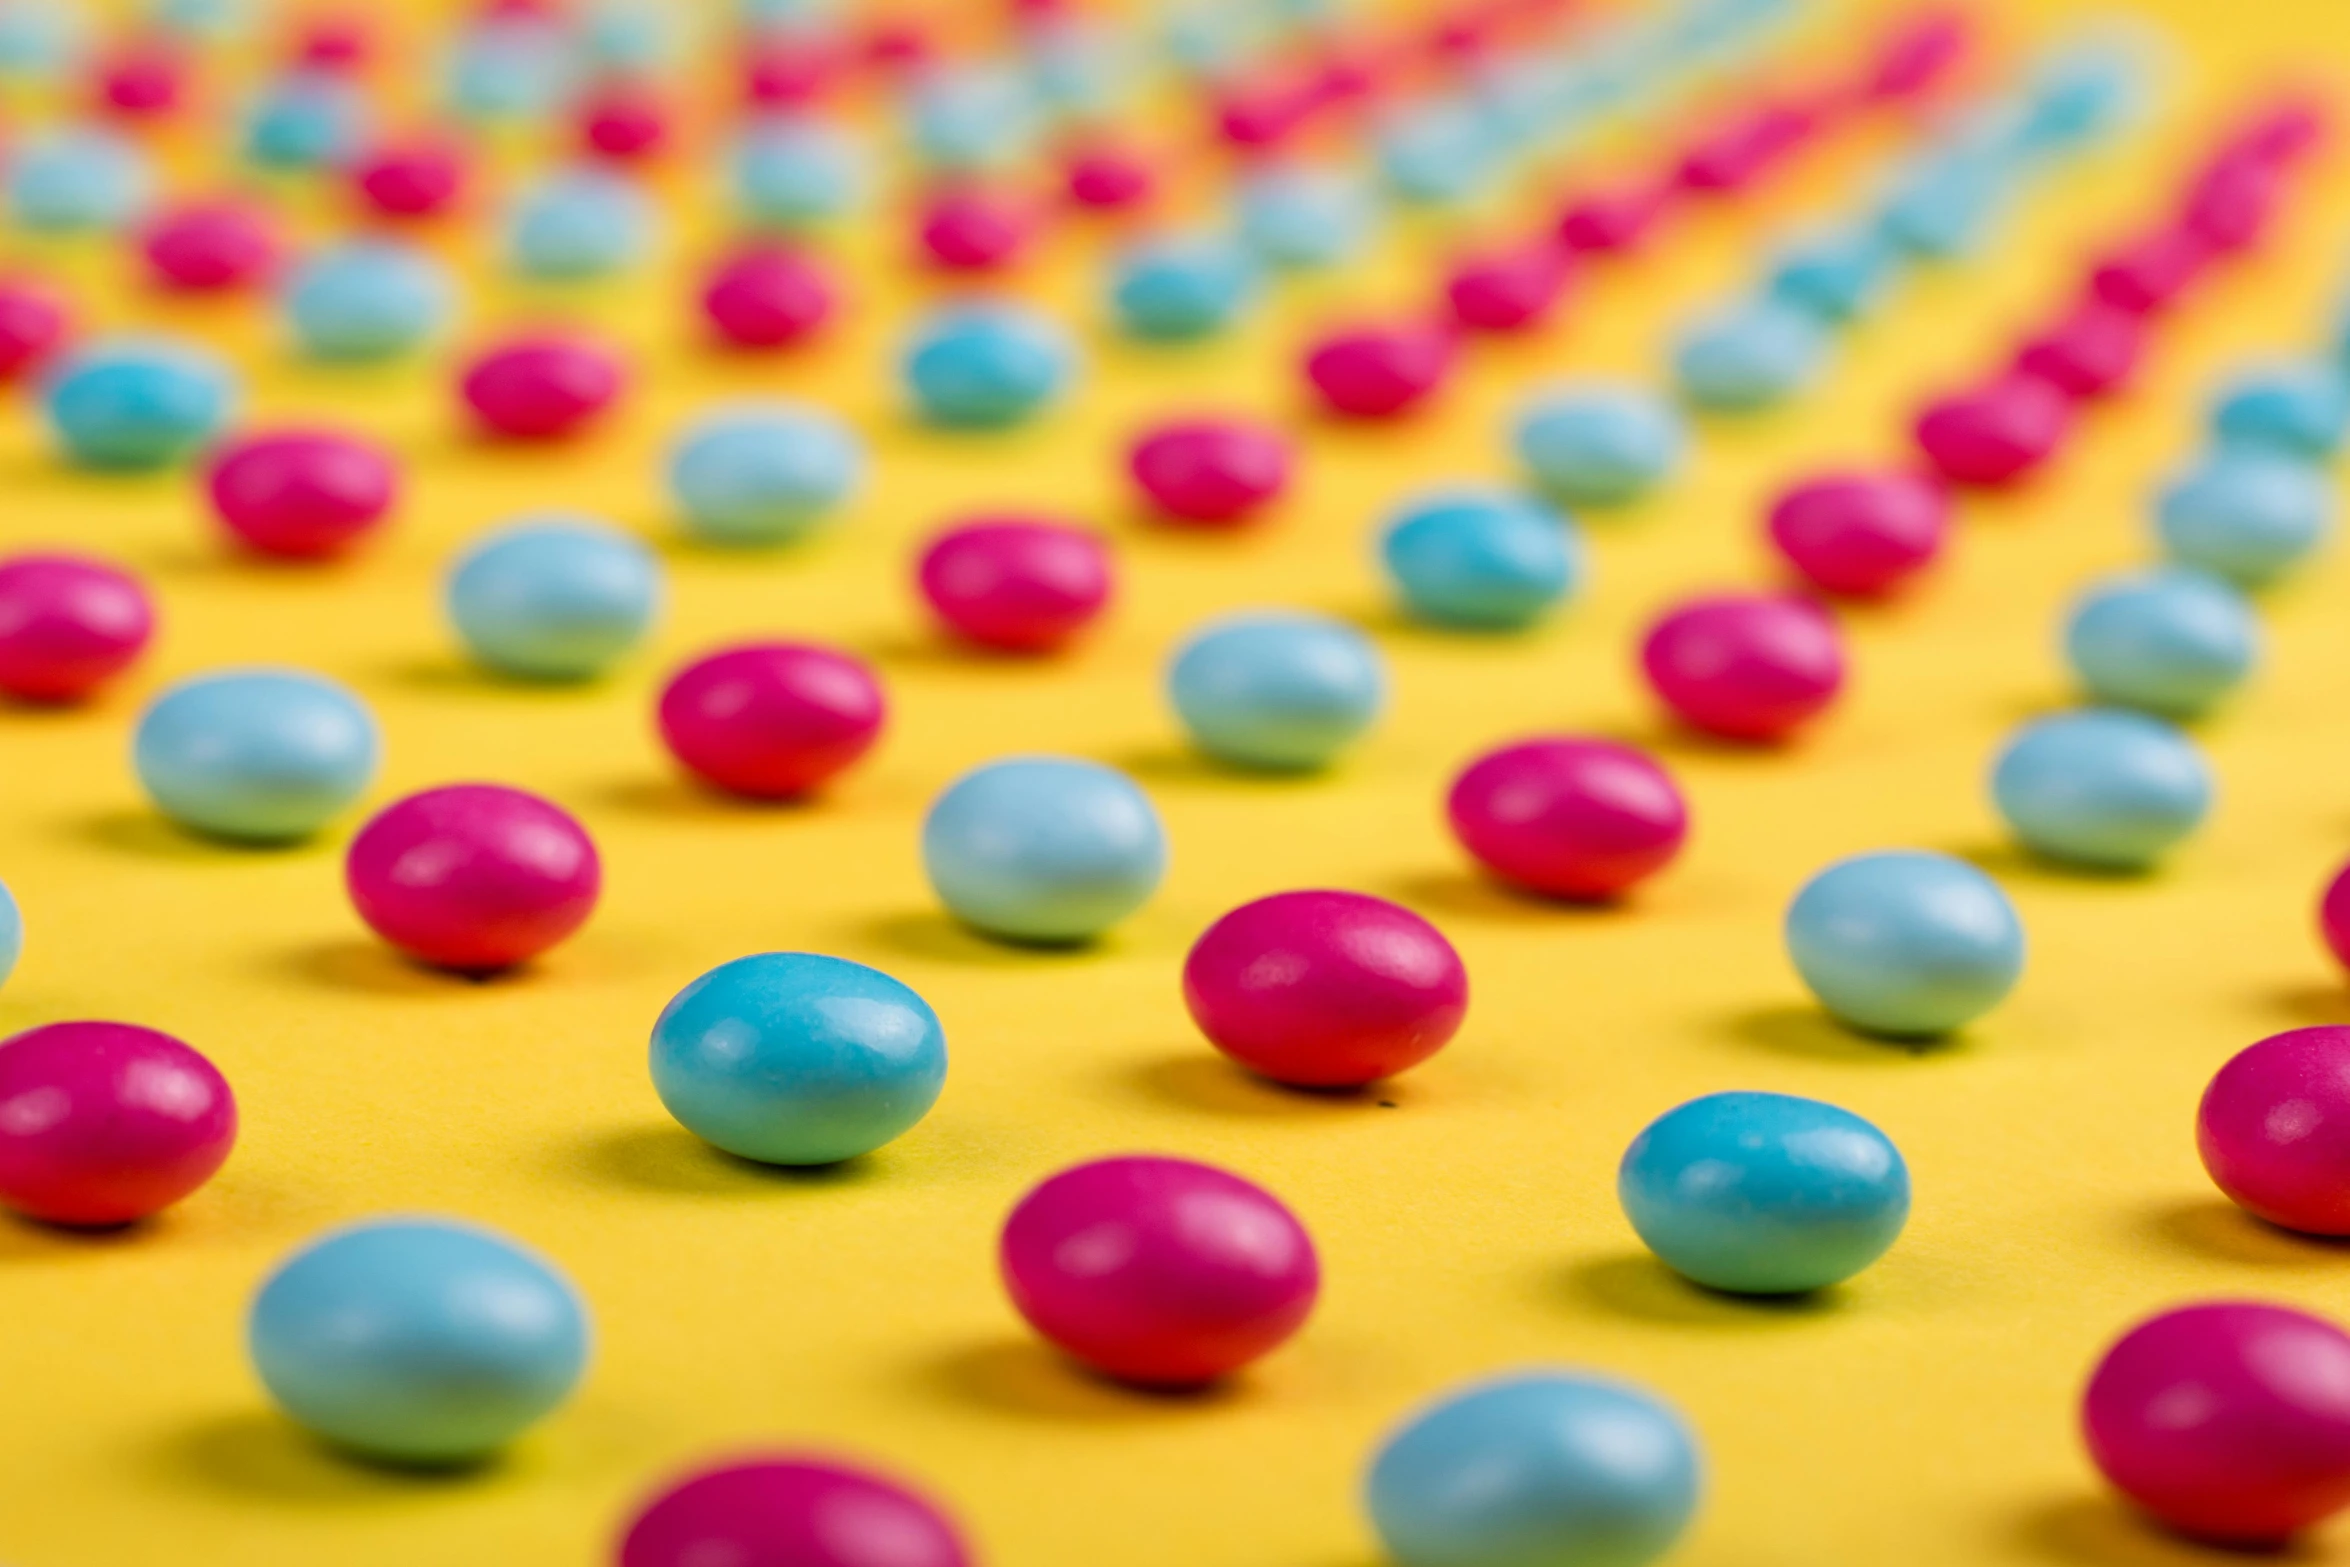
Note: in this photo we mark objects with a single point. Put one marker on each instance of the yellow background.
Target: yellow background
(1920, 1417)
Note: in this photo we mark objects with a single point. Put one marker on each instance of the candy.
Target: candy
(211, 247)
(1379, 372)
(763, 473)
(1861, 534)
(987, 366)
(1508, 290)
(2274, 1130)
(417, 1341)
(1299, 218)
(68, 625)
(2302, 410)
(420, 178)
(1017, 584)
(105, 1123)
(11, 933)
(1945, 204)
(1613, 220)
(1752, 355)
(135, 404)
(969, 116)
(1905, 943)
(301, 494)
(1043, 849)
(1481, 560)
(792, 172)
(258, 755)
(771, 720)
(1274, 691)
(2171, 641)
(1180, 287)
(2246, 515)
(1764, 1194)
(1748, 667)
(809, 1512)
(1108, 178)
(1569, 817)
(2229, 1421)
(623, 121)
(1598, 445)
(2150, 274)
(33, 326)
(556, 598)
(1216, 472)
(1159, 1271)
(2090, 353)
(972, 228)
(1994, 435)
(1833, 275)
(580, 223)
(506, 66)
(473, 877)
(1437, 152)
(368, 299)
(1536, 1467)
(541, 388)
(767, 298)
(75, 180)
(2104, 788)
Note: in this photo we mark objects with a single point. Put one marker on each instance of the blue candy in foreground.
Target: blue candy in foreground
(137, 404)
(558, 598)
(988, 366)
(2170, 641)
(1905, 943)
(261, 755)
(2104, 788)
(1482, 561)
(765, 473)
(1277, 691)
(1043, 848)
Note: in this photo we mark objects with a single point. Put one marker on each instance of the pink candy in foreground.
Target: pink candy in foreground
(2228, 1421)
(1325, 989)
(1863, 535)
(767, 298)
(1379, 372)
(473, 877)
(211, 247)
(1751, 667)
(970, 229)
(2274, 1130)
(1159, 1271)
(1024, 585)
(1508, 291)
(1995, 435)
(541, 388)
(301, 494)
(1216, 472)
(68, 624)
(104, 1123)
(33, 326)
(791, 1511)
(771, 720)
(1569, 817)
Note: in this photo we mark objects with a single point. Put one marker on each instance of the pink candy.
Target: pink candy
(301, 494)
(771, 720)
(789, 69)
(1108, 178)
(2148, 275)
(144, 80)
(2228, 1421)
(1996, 434)
(1740, 152)
(473, 877)
(339, 42)
(33, 326)
(2274, 1130)
(1922, 55)
(1861, 534)
(1215, 472)
(623, 121)
(1508, 291)
(541, 388)
(417, 179)
(1325, 989)
(969, 229)
(211, 247)
(2089, 353)
(1571, 818)
(767, 298)
(104, 1123)
(1610, 221)
(2233, 204)
(1023, 585)
(68, 624)
(791, 1511)
(1379, 372)
(1750, 667)
(1159, 1271)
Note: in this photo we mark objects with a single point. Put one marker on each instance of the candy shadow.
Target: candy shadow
(2015, 863)
(671, 1161)
(948, 654)
(1466, 894)
(1199, 1079)
(150, 836)
(2310, 1004)
(259, 1455)
(1812, 1034)
(2214, 1228)
(24, 1240)
(452, 676)
(1638, 1286)
(1021, 1377)
(1176, 766)
(681, 799)
(940, 938)
(2097, 1531)
(352, 963)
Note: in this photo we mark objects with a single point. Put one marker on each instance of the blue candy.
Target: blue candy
(1599, 445)
(39, 38)
(1297, 217)
(1482, 560)
(795, 1058)
(970, 117)
(507, 68)
(1538, 1469)
(1439, 152)
(554, 598)
(77, 179)
(627, 35)
(256, 755)
(581, 223)
(1075, 66)
(200, 18)
(1764, 1194)
(1905, 942)
(2104, 788)
(2246, 515)
(1834, 274)
(1750, 356)
(1945, 204)
(1043, 849)
(417, 1341)
(2301, 410)
(306, 120)
(764, 473)
(2083, 92)
(1184, 287)
(988, 366)
(793, 172)
(2170, 641)
(136, 404)
(1277, 691)
(366, 300)
(11, 933)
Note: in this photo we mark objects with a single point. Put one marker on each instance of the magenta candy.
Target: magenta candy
(1996, 434)
(790, 69)
(68, 624)
(1217, 472)
(1752, 667)
(301, 494)
(1379, 372)
(473, 877)
(2290, 129)
(2233, 203)
(1159, 1271)
(541, 388)
(771, 720)
(1109, 178)
(337, 43)
(2088, 354)
(1861, 534)
(791, 1511)
(104, 1123)
(1607, 222)
(144, 80)
(1573, 818)
(2334, 916)
(967, 229)
(2149, 275)
(1325, 989)
(1742, 151)
(211, 247)
(767, 298)
(2228, 1421)
(33, 325)
(2274, 1130)
(1023, 585)
(1923, 55)
(417, 179)
(623, 122)
(1508, 291)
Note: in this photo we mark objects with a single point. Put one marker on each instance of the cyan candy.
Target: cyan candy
(1833, 274)
(795, 171)
(2299, 409)
(554, 598)
(1277, 691)
(1764, 1194)
(255, 755)
(627, 35)
(2172, 641)
(987, 366)
(969, 117)
(306, 120)
(1753, 355)
(135, 404)
(1482, 560)
(2247, 515)
(11, 933)
(2083, 93)
(1075, 65)
(2103, 788)
(39, 38)
(507, 67)
(367, 299)
(1945, 204)
(1043, 848)
(1298, 217)
(1599, 445)
(77, 179)
(1438, 152)
(581, 223)
(765, 473)
(1905, 942)
(1181, 287)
